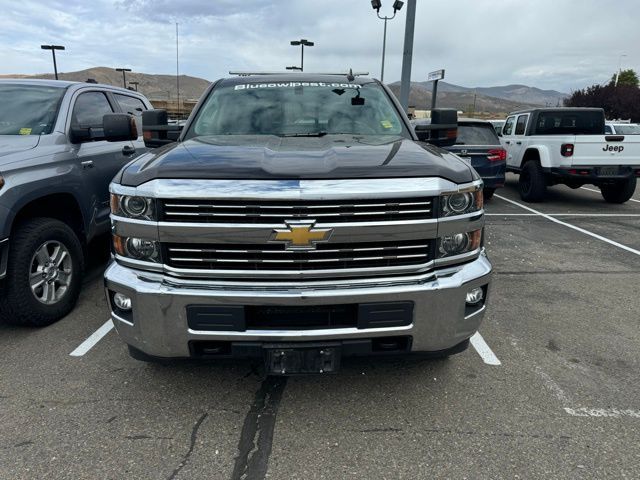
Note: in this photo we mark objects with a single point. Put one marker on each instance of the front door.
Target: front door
(100, 160)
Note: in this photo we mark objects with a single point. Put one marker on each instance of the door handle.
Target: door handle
(508, 142)
(87, 164)
(518, 143)
(128, 150)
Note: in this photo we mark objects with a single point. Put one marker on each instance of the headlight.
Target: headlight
(133, 206)
(459, 243)
(137, 248)
(461, 203)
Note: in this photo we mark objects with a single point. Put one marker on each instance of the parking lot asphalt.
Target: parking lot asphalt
(564, 402)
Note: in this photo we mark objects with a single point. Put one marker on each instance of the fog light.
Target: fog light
(475, 296)
(124, 303)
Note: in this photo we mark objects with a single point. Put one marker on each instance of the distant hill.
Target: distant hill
(488, 99)
(420, 97)
(159, 87)
(513, 93)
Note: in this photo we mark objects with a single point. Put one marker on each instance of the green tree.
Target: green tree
(622, 101)
(627, 78)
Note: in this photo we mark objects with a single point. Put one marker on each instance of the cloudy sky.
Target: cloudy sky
(551, 44)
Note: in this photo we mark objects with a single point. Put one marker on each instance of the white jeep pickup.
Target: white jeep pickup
(550, 146)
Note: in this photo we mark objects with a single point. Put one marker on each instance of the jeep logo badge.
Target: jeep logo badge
(301, 235)
(611, 148)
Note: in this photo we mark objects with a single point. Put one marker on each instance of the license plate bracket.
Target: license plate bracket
(286, 359)
(608, 171)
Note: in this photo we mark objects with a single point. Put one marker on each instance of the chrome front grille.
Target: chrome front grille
(277, 211)
(268, 257)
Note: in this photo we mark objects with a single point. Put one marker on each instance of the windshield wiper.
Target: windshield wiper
(321, 133)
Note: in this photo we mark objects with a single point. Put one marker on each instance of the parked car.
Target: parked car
(296, 220)
(479, 144)
(548, 146)
(497, 125)
(55, 169)
(622, 128)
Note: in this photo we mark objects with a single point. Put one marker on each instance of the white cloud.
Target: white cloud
(562, 45)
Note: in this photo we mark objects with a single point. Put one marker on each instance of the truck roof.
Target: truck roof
(557, 109)
(294, 77)
(61, 84)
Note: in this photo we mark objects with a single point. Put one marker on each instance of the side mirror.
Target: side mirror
(443, 129)
(156, 130)
(119, 127)
(80, 134)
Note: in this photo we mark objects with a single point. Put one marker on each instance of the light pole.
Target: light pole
(617, 72)
(303, 42)
(377, 4)
(135, 85)
(124, 75)
(53, 49)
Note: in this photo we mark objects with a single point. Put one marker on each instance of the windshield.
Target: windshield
(628, 129)
(298, 109)
(28, 109)
(477, 134)
(570, 122)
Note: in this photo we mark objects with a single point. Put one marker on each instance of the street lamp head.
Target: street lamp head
(123, 69)
(397, 5)
(376, 4)
(295, 42)
(52, 47)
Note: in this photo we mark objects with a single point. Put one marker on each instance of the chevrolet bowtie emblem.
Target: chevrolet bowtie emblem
(301, 235)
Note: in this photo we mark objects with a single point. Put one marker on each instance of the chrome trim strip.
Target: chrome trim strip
(360, 189)
(460, 223)
(299, 275)
(139, 264)
(348, 232)
(115, 316)
(250, 335)
(477, 312)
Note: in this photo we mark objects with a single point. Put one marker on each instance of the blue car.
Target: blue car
(478, 143)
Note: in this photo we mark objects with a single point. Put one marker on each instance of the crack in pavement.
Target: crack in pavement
(254, 446)
(194, 436)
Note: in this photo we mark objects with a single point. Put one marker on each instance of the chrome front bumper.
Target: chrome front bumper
(158, 324)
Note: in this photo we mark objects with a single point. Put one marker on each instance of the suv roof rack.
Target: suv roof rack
(342, 74)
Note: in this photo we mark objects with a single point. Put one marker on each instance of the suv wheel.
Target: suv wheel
(44, 273)
(532, 184)
(619, 192)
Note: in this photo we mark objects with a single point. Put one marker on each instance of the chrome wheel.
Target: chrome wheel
(50, 272)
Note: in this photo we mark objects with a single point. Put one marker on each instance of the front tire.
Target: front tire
(532, 184)
(619, 192)
(44, 273)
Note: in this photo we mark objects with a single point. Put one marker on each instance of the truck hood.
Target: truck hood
(10, 144)
(270, 157)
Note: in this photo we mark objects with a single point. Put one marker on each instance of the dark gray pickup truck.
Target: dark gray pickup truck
(297, 219)
(55, 169)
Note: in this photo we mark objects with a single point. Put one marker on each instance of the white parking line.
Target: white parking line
(573, 227)
(598, 191)
(95, 337)
(604, 215)
(483, 350)
(601, 412)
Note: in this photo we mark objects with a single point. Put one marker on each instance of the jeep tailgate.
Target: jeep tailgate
(606, 150)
